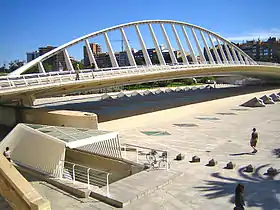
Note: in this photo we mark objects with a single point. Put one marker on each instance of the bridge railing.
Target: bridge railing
(57, 77)
(268, 64)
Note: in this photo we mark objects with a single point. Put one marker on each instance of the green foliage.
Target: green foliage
(180, 60)
(166, 83)
(48, 67)
(140, 61)
(204, 79)
(78, 63)
(13, 65)
(33, 69)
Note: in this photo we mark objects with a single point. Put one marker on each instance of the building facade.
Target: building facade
(96, 49)
(32, 55)
(267, 51)
(54, 63)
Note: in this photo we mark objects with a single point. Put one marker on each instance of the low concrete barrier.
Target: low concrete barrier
(17, 190)
(60, 118)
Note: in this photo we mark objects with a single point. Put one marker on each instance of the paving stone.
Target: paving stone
(180, 157)
(230, 165)
(195, 159)
(212, 162)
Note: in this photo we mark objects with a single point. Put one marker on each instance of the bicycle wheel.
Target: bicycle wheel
(150, 158)
(163, 164)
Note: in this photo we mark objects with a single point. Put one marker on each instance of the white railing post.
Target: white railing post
(61, 169)
(167, 163)
(107, 185)
(137, 160)
(25, 80)
(88, 177)
(125, 151)
(73, 173)
(39, 79)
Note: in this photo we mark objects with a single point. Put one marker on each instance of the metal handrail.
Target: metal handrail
(84, 174)
(7, 82)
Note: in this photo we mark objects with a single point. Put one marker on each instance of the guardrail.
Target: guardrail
(268, 64)
(144, 153)
(26, 80)
(90, 176)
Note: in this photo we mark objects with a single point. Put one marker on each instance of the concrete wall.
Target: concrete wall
(8, 116)
(17, 190)
(34, 149)
(119, 169)
(60, 118)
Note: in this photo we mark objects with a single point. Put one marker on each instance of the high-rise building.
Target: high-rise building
(96, 49)
(56, 62)
(268, 51)
(32, 55)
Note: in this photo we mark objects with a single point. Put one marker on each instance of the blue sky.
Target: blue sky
(29, 24)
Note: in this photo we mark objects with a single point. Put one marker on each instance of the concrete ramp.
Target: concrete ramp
(106, 97)
(121, 95)
(19, 193)
(147, 93)
(267, 100)
(275, 97)
(179, 90)
(124, 191)
(186, 89)
(168, 90)
(134, 94)
(158, 92)
(254, 102)
(194, 88)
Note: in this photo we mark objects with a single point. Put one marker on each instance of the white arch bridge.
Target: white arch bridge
(202, 52)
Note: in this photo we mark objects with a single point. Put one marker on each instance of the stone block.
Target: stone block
(212, 162)
(230, 165)
(180, 157)
(195, 159)
(249, 168)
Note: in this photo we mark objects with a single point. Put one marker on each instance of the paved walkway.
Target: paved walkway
(222, 132)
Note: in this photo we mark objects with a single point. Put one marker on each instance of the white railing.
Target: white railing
(268, 64)
(141, 154)
(89, 176)
(50, 78)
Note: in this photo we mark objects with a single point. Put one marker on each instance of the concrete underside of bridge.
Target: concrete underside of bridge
(27, 95)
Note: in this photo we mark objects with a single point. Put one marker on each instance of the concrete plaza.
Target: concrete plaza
(222, 132)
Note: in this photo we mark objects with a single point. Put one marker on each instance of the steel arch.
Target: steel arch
(103, 31)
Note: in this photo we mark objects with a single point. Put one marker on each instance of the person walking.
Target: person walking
(78, 72)
(239, 197)
(7, 154)
(254, 140)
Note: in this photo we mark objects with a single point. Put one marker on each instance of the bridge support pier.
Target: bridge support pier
(27, 100)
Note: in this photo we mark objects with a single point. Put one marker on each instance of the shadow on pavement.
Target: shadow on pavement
(119, 108)
(276, 152)
(242, 153)
(260, 191)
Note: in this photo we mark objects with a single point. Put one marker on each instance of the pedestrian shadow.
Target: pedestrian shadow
(242, 153)
(276, 152)
(260, 191)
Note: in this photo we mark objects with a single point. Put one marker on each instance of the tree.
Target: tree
(13, 65)
(3, 69)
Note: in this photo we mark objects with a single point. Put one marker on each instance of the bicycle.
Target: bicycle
(153, 156)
